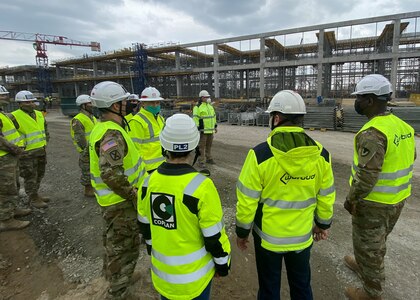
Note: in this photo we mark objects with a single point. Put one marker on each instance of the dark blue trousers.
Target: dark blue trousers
(269, 266)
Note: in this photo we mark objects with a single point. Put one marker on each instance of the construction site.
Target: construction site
(60, 254)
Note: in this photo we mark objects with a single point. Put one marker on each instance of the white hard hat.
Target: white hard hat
(150, 94)
(203, 93)
(180, 134)
(3, 90)
(373, 84)
(24, 96)
(106, 93)
(134, 97)
(82, 99)
(287, 102)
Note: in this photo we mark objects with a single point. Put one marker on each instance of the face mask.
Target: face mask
(359, 107)
(208, 100)
(153, 109)
(130, 107)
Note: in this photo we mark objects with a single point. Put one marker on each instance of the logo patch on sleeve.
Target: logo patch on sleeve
(163, 210)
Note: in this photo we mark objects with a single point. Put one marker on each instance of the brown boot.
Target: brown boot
(37, 202)
(351, 263)
(13, 224)
(359, 294)
(21, 212)
(89, 191)
(44, 199)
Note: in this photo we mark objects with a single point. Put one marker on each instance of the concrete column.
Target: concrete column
(262, 65)
(118, 66)
(74, 70)
(95, 68)
(76, 89)
(320, 57)
(178, 78)
(216, 71)
(57, 72)
(395, 49)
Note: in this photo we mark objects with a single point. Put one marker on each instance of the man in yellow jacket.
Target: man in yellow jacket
(384, 154)
(80, 128)
(145, 128)
(285, 196)
(116, 173)
(205, 119)
(181, 219)
(32, 125)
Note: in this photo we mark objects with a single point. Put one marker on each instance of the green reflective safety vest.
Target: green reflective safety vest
(281, 193)
(88, 125)
(32, 130)
(206, 113)
(182, 210)
(144, 131)
(134, 167)
(10, 133)
(394, 182)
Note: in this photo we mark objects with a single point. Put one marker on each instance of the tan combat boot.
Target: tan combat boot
(89, 191)
(13, 224)
(37, 202)
(359, 294)
(21, 212)
(351, 263)
(44, 199)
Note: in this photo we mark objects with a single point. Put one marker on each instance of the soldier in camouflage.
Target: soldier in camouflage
(116, 172)
(80, 129)
(380, 183)
(32, 125)
(10, 149)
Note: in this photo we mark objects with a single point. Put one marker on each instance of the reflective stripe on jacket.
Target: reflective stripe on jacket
(9, 132)
(281, 194)
(206, 113)
(184, 212)
(88, 125)
(32, 130)
(144, 131)
(132, 163)
(394, 182)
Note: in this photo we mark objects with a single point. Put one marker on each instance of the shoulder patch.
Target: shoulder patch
(325, 154)
(262, 152)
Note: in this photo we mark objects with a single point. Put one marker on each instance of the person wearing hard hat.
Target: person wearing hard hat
(32, 125)
(285, 197)
(181, 218)
(11, 146)
(132, 106)
(384, 154)
(205, 119)
(80, 128)
(145, 128)
(116, 173)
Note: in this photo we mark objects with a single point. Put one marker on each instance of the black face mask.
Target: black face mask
(129, 108)
(359, 107)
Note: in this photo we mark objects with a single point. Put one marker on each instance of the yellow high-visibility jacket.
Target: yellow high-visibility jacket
(32, 130)
(205, 118)
(144, 131)
(181, 218)
(88, 124)
(9, 132)
(283, 190)
(394, 182)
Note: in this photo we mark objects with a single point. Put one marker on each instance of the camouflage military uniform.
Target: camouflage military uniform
(32, 164)
(80, 139)
(9, 192)
(372, 222)
(121, 236)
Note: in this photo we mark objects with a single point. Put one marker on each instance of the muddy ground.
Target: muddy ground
(59, 256)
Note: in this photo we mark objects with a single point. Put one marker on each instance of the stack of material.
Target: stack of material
(262, 119)
(221, 115)
(320, 117)
(352, 121)
(411, 115)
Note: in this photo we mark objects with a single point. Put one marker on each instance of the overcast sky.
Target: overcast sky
(117, 24)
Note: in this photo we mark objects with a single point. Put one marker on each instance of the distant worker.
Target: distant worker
(116, 173)
(132, 106)
(32, 125)
(80, 128)
(145, 128)
(11, 146)
(181, 219)
(285, 196)
(205, 119)
(384, 154)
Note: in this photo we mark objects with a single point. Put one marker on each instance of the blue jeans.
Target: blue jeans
(269, 266)
(205, 295)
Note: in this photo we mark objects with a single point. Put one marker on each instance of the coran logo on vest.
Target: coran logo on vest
(163, 210)
(397, 138)
(286, 178)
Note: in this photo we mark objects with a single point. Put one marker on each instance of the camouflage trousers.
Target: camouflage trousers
(372, 223)
(32, 170)
(9, 192)
(121, 241)
(84, 167)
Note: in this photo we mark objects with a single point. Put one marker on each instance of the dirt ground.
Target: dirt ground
(59, 256)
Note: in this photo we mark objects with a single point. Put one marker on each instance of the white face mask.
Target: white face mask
(208, 100)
